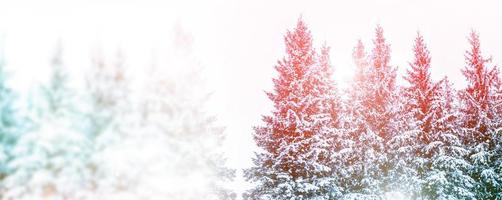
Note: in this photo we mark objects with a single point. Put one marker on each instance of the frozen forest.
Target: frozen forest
(114, 138)
(422, 140)
(125, 134)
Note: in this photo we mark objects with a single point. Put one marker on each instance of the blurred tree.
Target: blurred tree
(10, 123)
(108, 110)
(168, 147)
(51, 158)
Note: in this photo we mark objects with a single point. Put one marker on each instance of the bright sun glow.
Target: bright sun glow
(396, 196)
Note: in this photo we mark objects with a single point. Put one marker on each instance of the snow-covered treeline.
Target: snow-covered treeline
(422, 140)
(115, 138)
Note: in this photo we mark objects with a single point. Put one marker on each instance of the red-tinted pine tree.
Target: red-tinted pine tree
(373, 112)
(382, 77)
(347, 157)
(361, 61)
(331, 98)
(423, 153)
(335, 128)
(420, 92)
(445, 172)
(295, 161)
(480, 124)
(405, 155)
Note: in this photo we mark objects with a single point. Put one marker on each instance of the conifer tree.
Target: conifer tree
(347, 157)
(481, 128)
(420, 92)
(10, 123)
(428, 154)
(406, 157)
(373, 124)
(446, 174)
(382, 91)
(108, 110)
(169, 148)
(51, 158)
(295, 159)
(361, 61)
(107, 87)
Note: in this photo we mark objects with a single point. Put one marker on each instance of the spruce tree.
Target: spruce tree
(294, 161)
(349, 175)
(107, 87)
(420, 92)
(480, 124)
(169, 147)
(406, 157)
(51, 158)
(373, 123)
(10, 124)
(107, 112)
(382, 89)
(446, 170)
(361, 61)
(424, 111)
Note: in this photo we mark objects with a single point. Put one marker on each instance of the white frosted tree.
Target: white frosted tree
(10, 124)
(107, 114)
(169, 147)
(51, 157)
(107, 86)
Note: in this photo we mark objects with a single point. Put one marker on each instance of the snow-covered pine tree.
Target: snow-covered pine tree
(420, 92)
(373, 123)
(51, 158)
(382, 91)
(333, 130)
(172, 148)
(360, 79)
(331, 99)
(407, 161)
(480, 124)
(107, 87)
(10, 123)
(346, 157)
(361, 61)
(446, 172)
(294, 161)
(108, 111)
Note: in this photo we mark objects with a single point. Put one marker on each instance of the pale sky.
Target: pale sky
(238, 43)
